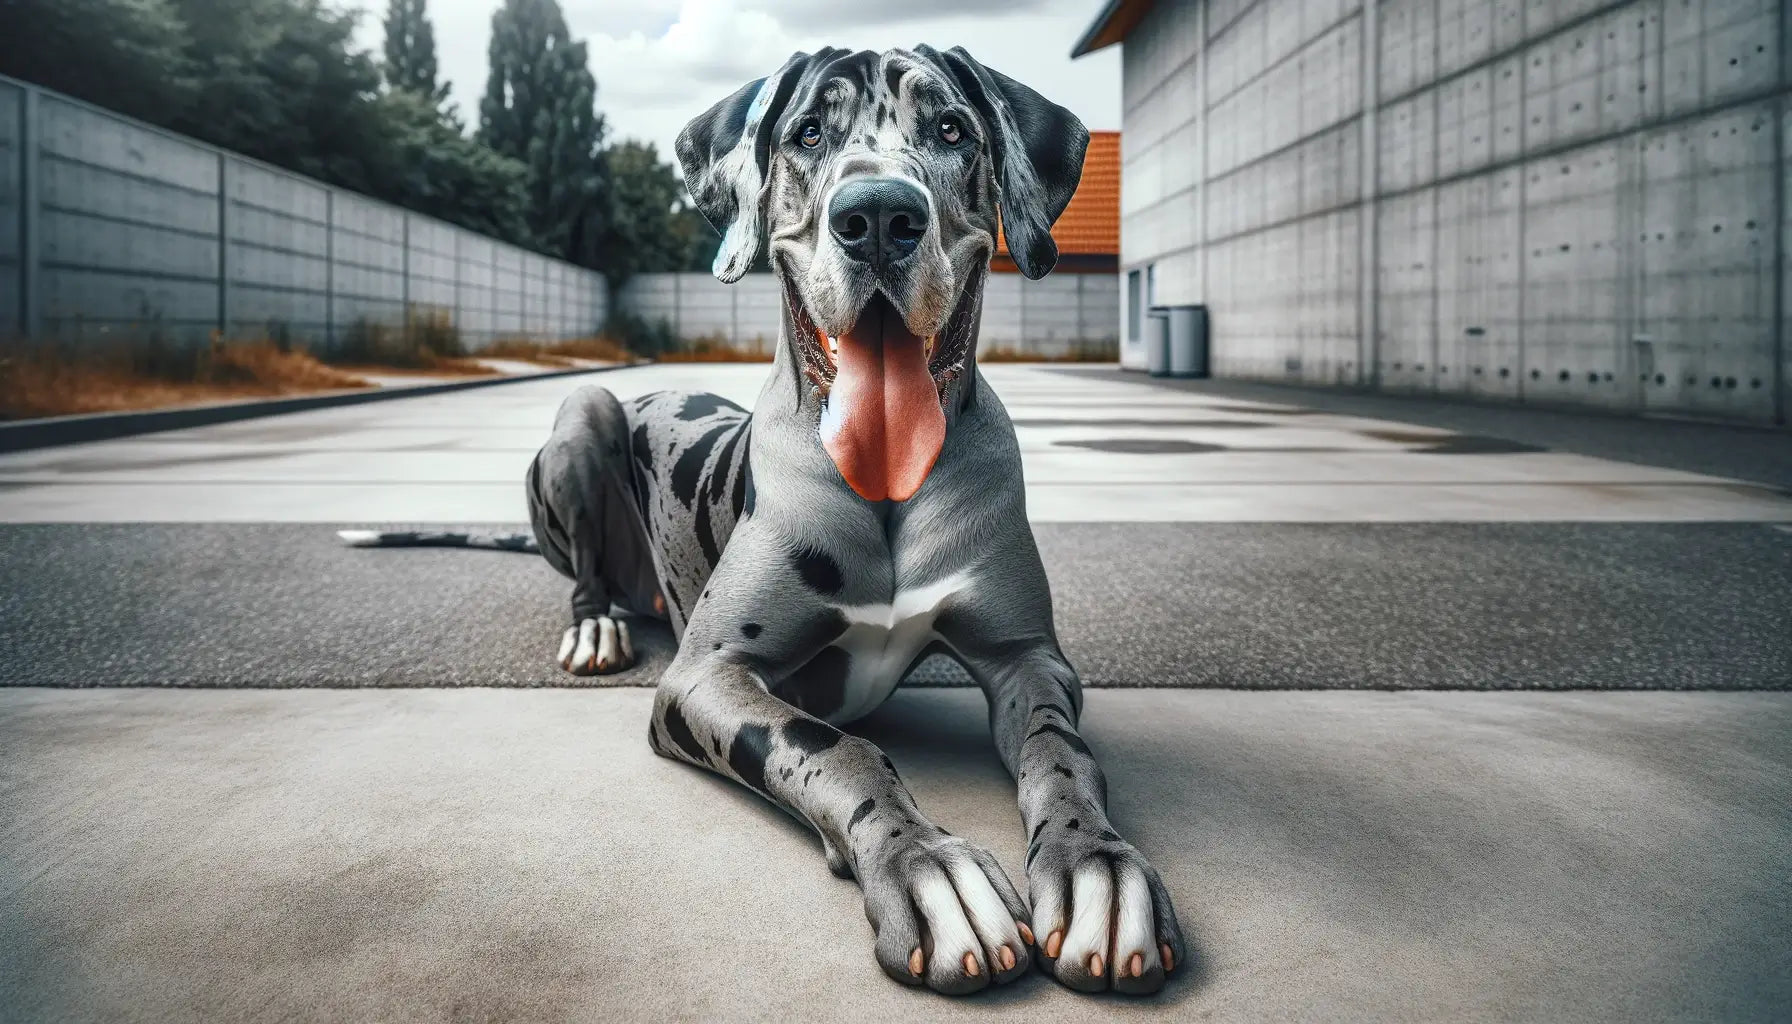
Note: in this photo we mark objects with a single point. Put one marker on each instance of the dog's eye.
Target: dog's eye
(810, 133)
(950, 132)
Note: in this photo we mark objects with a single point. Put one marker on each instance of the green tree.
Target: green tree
(411, 50)
(125, 55)
(634, 229)
(539, 108)
(427, 165)
(283, 83)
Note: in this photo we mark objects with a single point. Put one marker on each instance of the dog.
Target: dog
(869, 512)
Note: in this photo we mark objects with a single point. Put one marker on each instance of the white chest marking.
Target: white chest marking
(883, 639)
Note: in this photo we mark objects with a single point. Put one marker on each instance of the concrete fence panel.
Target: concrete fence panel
(1056, 316)
(277, 252)
(12, 207)
(127, 224)
(114, 229)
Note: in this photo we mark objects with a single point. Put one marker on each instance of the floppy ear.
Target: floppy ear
(1038, 148)
(725, 152)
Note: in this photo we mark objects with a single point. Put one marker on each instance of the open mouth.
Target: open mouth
(882, 390)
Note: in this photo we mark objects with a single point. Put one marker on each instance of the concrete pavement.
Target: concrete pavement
(506, 855)
(1096, 450)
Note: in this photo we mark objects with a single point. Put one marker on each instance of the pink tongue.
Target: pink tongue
(883, 426)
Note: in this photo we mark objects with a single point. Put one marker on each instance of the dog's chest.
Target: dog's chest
(881, 642)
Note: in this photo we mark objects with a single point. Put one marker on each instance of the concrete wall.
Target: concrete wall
(1054, 316)
(110, 228)
(1564, 201)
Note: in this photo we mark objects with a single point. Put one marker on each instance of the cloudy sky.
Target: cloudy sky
(659, 63)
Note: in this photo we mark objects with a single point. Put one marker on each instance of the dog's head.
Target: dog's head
(877, 180)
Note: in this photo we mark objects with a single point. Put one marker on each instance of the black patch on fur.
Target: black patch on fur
(687, 472)
(743, 487)
(1061, 770)
(718, 481)
(1076, 742)
(819, 686)
(895, 833)
(680, 731)
(747, 754)
(859, 815)
(809, 736)
(824, 629)
(706, 537)
(1072, 824)
(643, 448)
(893, 78)
(750, 630)
(703, 404)
(819, 570)
(1038, 829)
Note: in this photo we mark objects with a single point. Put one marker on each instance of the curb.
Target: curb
(102, 426)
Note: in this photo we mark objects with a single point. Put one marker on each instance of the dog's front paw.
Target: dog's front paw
(945, 914)
(1102, 914)
(596, 647)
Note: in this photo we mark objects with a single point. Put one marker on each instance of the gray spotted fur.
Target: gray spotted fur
(767, 559)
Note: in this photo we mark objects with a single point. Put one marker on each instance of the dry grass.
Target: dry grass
(559, 354)
(52, 380)
(1077, 354)
(714, 350)
(441, 366)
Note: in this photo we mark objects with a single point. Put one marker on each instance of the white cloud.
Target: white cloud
(659, 63)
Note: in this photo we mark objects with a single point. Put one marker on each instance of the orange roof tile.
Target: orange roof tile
(1090, 225)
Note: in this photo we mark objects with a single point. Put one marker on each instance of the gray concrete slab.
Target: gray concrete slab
(1270, 605)
(1758, 454)
(1095, 449)
(506, 855)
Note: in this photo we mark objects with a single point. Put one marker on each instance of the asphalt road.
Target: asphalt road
(1278, 605)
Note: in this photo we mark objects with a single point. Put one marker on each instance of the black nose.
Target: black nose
(878, 220)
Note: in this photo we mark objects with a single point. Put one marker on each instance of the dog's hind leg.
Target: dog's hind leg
(583, 511)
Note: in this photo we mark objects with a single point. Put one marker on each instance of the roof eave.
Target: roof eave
(1117, 18)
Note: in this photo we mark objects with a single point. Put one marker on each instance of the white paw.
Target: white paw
(596, 647)
(945, 914)
(1103, 915)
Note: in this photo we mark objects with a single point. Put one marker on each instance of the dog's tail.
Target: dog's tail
(438, 539)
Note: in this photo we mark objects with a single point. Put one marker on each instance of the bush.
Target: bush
(428, 341)
(638, 335)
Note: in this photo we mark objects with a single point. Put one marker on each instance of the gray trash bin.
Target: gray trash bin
(1157, 341)
(1188, 341)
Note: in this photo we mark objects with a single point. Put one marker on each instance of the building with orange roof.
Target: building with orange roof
(1088, 233)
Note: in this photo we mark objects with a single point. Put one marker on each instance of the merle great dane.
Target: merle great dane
(870, 511)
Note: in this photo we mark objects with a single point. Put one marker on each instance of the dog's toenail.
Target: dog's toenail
(915, 962)
(1169, 960)
(1053, 943)
(1095, 965)
(1026, 934)
(970, 965)
(1137, 965)
(603, 666)
(1007, 958)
